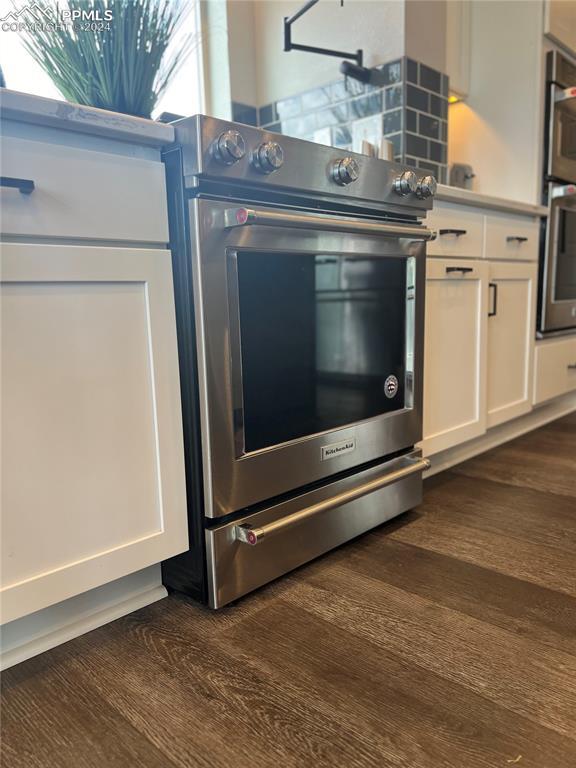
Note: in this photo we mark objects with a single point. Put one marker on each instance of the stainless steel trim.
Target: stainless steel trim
(307, 168)
(249, 535)
(242, 217)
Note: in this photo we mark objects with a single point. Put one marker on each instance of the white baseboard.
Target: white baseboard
(26, 637)
(541, 415)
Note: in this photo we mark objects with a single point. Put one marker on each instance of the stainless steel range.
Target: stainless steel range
(299, 273)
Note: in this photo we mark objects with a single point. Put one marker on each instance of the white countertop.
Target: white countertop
(74, 117)
(468, 197)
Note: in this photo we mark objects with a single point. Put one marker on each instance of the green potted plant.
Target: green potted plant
(124, 65)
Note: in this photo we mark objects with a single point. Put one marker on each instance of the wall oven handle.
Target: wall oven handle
(242, 217)
(249, 535)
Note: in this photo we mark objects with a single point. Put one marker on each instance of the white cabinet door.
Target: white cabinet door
(92, 455)
(455, 352)
(511, 340)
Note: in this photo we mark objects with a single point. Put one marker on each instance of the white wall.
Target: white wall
(498, 129)
(376, 26)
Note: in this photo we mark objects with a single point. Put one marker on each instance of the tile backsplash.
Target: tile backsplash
(410, 109)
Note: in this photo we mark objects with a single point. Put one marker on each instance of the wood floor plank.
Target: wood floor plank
(544, 460)
(519, 513)
(200, 707)
(48, 719)
(526, 609)
(511, 671)
(414, 716)
(546, 566)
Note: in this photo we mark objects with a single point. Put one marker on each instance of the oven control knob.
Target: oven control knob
(229, 147)
(405, 183)
(426, 187)
(268, 157)
(345, 171)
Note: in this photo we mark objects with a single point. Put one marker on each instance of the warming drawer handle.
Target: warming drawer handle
(249, 535)
(243, 217)
(24, 186)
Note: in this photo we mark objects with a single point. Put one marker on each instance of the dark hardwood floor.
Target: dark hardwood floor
(446, 638)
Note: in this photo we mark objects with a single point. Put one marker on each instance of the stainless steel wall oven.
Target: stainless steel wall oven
(299, 275)
(557, 298)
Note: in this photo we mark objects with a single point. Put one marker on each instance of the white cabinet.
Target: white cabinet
(459, 231)
(82, 193)
(555, 369)
(455, 352)
(511, 325)
(92, 455)
(511, 237)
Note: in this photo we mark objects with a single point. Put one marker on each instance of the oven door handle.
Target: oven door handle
(249, 535)
(243, 217)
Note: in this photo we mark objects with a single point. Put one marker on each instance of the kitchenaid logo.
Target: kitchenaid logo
(39, 16)
(338, 449)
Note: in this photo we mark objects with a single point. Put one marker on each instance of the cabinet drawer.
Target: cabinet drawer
(81, 193)
(555, 372)
(459, 232)
(511, 237)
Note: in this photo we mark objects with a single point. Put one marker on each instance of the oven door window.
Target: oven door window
(322, 341)
(565, 278)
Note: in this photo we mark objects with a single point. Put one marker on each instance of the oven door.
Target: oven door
(562, 156)
(559, 277)
(309, 346)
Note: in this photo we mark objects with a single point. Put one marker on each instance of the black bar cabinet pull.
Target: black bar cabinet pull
(494, 309)
(572, 366)
(457, 232)
(464, 270)
(25, 186)
(516, 239)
